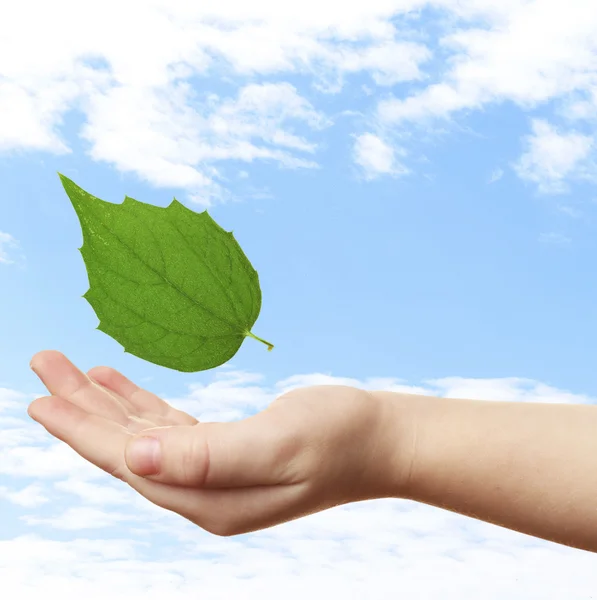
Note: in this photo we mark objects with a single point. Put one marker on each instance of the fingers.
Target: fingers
(64, 379)
(220, 511)
(106, 393)
(142, 400)
(223, 512)
(253, 452)
(98, 440)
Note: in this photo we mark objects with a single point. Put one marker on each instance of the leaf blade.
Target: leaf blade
(169, 284)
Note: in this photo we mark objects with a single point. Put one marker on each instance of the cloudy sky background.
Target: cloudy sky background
(415, 183)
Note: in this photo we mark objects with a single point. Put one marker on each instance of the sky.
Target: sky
(414, 181)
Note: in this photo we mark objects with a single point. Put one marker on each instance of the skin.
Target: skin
(528, 467)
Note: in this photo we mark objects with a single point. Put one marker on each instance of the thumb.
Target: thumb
(255, 451)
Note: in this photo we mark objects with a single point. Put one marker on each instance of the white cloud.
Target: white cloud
(139, 80)
(143, 82)
(135, 550)
(582, 106)
(529, 53)
(508, 389)
(494, 61)
(229, 397)
(553, 157)
(79, 518)
(10, 399)
(554, 238)
(389, 63)
(496, 175)
(376, 157)
(29, 497)
(42, 460)
(7, 242)
(159, 137)
(95, 493)
(570, 211)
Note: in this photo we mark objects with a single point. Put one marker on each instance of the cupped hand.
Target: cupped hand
(311, 449)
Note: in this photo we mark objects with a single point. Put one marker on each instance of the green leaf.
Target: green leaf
(169, 284)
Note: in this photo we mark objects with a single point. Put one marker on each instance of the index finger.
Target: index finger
(64, 379)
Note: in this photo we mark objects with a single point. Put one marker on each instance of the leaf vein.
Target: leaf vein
(180, 291)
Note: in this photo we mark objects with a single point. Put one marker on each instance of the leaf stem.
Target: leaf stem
(269, 346)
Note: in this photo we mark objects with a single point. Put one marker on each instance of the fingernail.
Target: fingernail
(143, 456)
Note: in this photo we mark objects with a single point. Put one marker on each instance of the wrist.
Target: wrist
(402, 415)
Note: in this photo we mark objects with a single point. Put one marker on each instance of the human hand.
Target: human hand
(311, 449)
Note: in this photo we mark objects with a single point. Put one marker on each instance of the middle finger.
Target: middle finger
(145, 403)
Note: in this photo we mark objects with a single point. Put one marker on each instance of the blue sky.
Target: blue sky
(413, 180)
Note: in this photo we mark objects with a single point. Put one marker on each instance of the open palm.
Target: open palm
(97, 413)
(311, 449)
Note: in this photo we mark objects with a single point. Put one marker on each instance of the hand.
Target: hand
(311, 449)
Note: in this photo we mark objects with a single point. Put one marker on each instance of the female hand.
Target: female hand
(311, 449)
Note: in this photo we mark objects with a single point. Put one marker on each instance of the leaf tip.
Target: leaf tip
(67, 182)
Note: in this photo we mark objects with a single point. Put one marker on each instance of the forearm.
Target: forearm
(525, 466)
